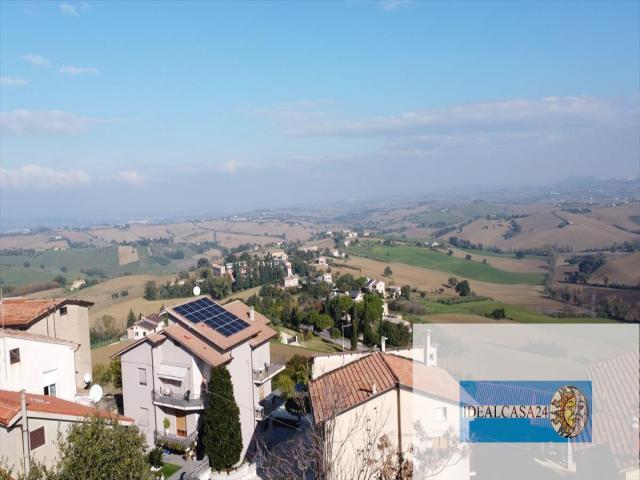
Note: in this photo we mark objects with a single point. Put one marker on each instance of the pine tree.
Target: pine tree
(354, 327)
(220, 432)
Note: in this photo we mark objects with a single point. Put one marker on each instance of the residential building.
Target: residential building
(278, 255)
(291, 281)
(33, 437)
(375, 286)
(146, 325)
(356, 296)
(37, 364)
(165, 374)
(384, 394)
(322, 261)
(77, 284)
(61, 319)
(325, 277)
(394, 291)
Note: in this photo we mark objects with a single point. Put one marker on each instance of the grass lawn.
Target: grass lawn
(518, 314)
(169, 469)
(426, 258)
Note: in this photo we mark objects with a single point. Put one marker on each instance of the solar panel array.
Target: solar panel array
(212, 315)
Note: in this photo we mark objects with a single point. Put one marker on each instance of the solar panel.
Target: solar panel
(212, 315)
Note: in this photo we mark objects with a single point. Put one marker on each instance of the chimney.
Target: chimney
(383, 344)
(25, 432)
(252, 313)
(430, 352)
(374, 389)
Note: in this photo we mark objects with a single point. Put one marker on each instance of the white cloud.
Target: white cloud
(131, 177)
(69, 10)
(41, 178)
(13, 81)
(390, 5)
(513, 115)
(33, 122)
(36, 60)
(73, 70)
(231, 166)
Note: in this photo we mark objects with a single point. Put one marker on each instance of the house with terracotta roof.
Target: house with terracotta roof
(150, 324)
(165, 374)
(37, 364)
(59, 319)
(382, 394)
(30, 425)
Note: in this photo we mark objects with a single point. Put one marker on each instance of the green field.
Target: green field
(433, 260)
(518, 314)
(45, 266)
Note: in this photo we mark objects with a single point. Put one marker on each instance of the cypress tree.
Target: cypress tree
(367, 333)
(220, 431)
(354, 327)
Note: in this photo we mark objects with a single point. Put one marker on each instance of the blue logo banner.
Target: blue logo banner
(525, 411)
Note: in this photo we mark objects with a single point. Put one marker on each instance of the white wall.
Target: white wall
(355, 428)
(36, 359)
(420, 408)
(74, 326)
(136, 396)
(241, 372)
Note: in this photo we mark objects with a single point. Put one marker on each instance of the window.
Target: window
(439, 414)
(50, 390)
(36, 438)
(142, 376)
(63, 310)
(143, 419)
(440, 442)
(14, 355)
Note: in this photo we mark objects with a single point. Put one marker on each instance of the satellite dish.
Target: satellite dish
(87, 378)
(196, 290)
(95, 393)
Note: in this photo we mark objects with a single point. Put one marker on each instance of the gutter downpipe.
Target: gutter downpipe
(26, 448)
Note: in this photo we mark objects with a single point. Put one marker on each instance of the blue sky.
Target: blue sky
(150, 108)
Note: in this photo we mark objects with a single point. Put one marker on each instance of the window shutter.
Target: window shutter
(36, 438)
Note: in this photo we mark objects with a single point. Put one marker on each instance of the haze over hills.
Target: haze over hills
(578, 189)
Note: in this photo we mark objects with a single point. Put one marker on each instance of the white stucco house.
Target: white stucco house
(290, 281)
(375, 286)
(360, 400)
(38, 364)
(34, 436)
(165, 374)
(59, 319)
(145, 326)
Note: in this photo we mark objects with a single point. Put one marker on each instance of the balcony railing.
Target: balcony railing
(178, 399)
(263, 374)
(162, 438)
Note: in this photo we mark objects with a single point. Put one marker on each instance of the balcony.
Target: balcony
(179, 400)
(267, 372)
(168, 439)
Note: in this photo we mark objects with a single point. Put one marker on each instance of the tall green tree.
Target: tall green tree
(220, 431)
(101, 448)
(150, 290)
(131, 318)
(354, 327)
